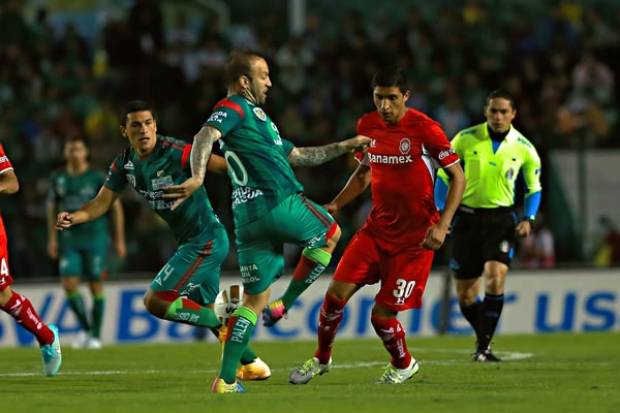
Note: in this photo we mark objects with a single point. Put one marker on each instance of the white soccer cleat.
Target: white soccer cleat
(81, 341)
(305, 373)
(393, 375)
(94, 344)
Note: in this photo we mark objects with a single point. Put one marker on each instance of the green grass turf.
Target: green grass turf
(565, 373)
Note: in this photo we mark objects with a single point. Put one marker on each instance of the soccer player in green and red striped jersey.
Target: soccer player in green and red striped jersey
(268, 205)
(185, 288)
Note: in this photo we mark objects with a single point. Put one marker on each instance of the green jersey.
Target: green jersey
(257, 158)
(167, 165)
(69, 193)
(491, 172)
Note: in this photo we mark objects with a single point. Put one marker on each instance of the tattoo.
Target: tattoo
(315, 155)
(201, 150)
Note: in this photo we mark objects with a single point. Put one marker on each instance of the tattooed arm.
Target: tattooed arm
(199, 157)
(201, 151)
(317, 155)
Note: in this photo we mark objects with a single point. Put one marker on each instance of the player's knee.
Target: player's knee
(341, 291)
(334, 233)
(157, 304)
(5, 295)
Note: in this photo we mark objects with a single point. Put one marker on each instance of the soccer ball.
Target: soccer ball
(227, 301)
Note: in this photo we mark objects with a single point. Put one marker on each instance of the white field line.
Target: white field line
(505, 355)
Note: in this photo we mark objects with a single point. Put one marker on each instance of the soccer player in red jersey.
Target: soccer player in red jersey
(15, 304)
(397, 243)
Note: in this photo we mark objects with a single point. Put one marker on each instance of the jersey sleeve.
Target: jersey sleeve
(5, 164)
(531, 170)
(185, 163)
(116, 179)
(227, 115)
(438, 146)
(287, 146)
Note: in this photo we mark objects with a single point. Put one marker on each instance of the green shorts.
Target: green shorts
(259, 244)
(194, 269)
(88, 261)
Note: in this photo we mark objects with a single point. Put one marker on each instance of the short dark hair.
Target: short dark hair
(501, 94)
(239, 64)
(391, 76)
(135, 106)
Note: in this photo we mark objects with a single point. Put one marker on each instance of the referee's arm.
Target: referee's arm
(531, 175)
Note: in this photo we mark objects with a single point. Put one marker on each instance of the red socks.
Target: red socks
(329, 319)
(392, 334)
(21, 309)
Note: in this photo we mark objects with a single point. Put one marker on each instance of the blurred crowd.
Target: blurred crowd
(559, 59)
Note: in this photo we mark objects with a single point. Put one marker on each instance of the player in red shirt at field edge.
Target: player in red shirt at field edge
(15, 304)
(397, 243)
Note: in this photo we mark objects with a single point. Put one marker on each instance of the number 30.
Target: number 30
(403, 288)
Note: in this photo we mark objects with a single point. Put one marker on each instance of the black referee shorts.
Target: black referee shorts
(481, 235)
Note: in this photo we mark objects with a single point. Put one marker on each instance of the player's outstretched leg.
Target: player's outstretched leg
(169, 305)
(330, 317)
(311, 265)
(21, 309)
(402, 366)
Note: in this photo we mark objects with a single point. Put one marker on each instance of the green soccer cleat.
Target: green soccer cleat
(305, 373)
(51, 354)
(220, 386)
(393, 375)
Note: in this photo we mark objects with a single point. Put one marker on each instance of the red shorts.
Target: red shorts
(5, 275)
(403, 276)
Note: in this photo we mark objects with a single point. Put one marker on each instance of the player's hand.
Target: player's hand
(356, 144)
(332, 208)
(64, 220)
(434, 238)
(120, 248)
(523, 229)
(181, 192)
(52, 249)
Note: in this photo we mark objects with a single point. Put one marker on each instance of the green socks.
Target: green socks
(311, 264)
(241, 326)
(186, 311)
(76, 303)
(98, 310)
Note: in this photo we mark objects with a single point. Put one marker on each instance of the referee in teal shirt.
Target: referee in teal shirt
(487, 224)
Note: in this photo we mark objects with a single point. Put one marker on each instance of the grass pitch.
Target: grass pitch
(548, 373)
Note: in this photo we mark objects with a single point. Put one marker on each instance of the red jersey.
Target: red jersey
(5, 166)
(403, 160)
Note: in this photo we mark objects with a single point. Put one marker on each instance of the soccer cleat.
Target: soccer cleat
(273, 312)
(256, 370)
(305, 373)
(486, 356)
(393, 375)
(51, 354)
(94, 343)
(81, 341)
(220, 386)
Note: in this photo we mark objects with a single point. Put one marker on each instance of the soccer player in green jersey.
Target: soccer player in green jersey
(82, 251)
(486, 224)
(268, 206)
(185, 288)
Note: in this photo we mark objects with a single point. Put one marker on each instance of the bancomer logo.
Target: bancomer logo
(390, 160)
